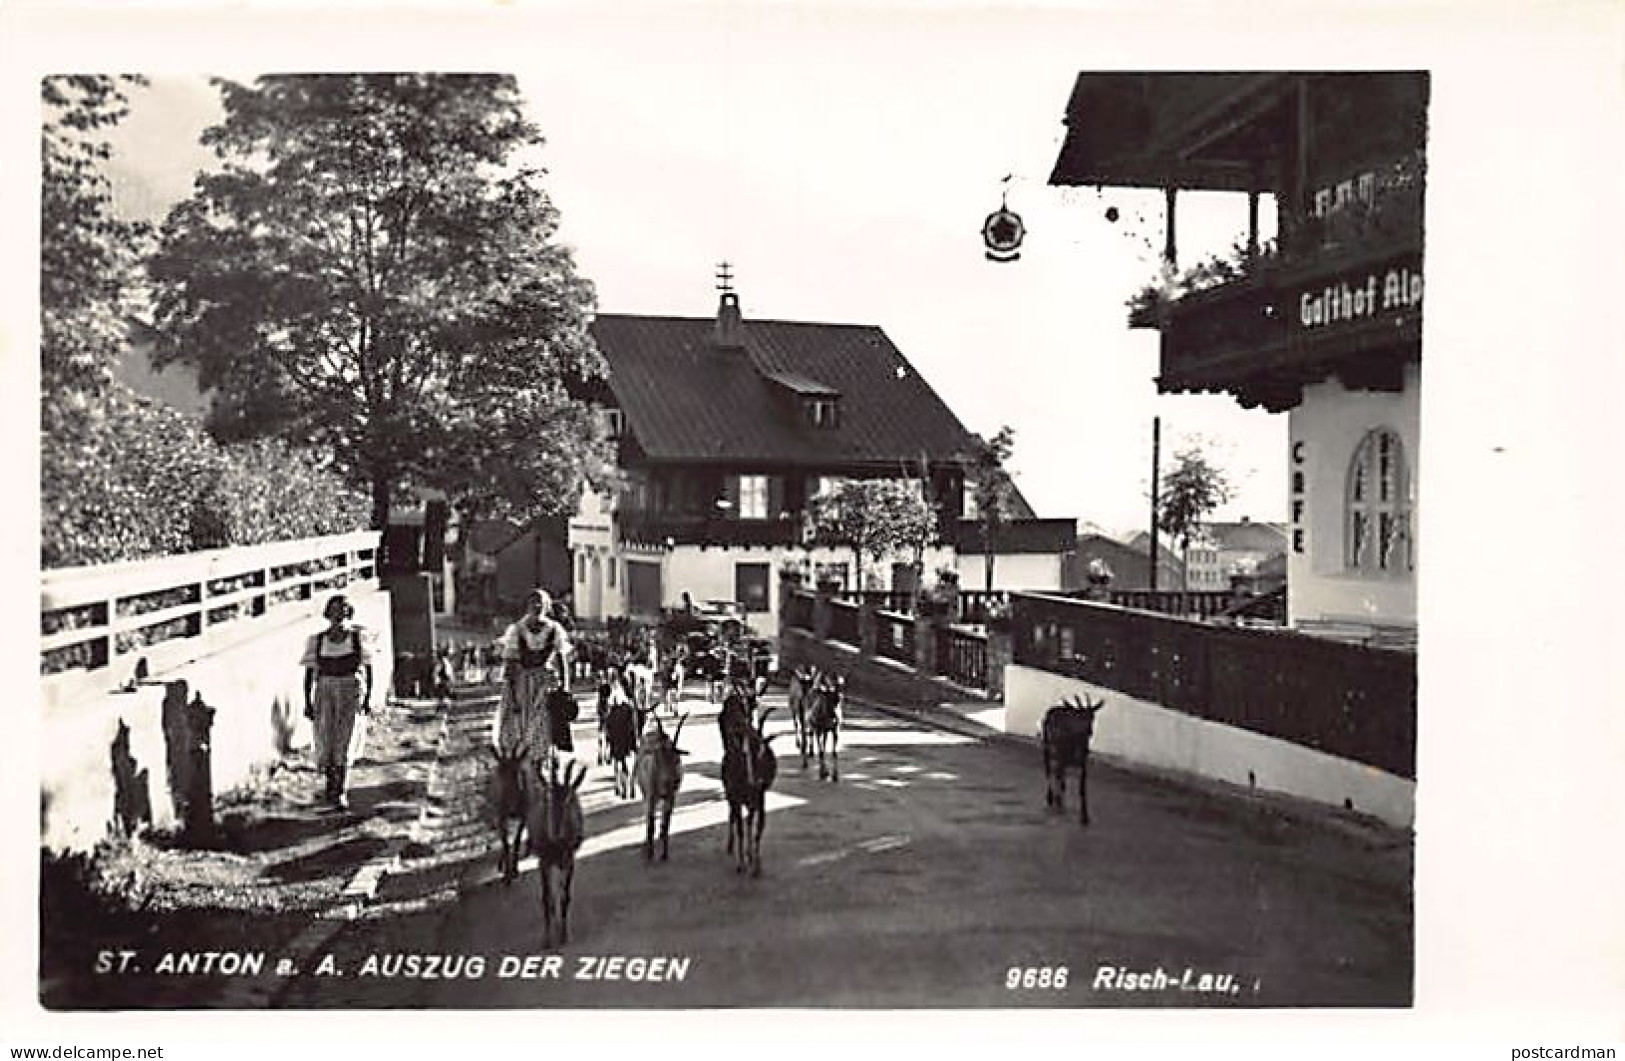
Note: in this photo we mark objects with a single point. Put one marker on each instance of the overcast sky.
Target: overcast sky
(844, 166)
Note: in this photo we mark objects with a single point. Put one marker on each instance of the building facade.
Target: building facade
(726, 430)
(1221, 552)
(1323, 324)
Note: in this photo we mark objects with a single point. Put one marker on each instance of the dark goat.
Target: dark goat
(557, 827)
(621, 722)
(659, 773)
(612, 684)
(823, 706)
(749, 768)
(508, 798)
(1067, 730)
(737, 716)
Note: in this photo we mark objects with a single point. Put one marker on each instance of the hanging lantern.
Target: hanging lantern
(1002, 234)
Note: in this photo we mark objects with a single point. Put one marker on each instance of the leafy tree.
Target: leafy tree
(89, 258)
(126, 479)
(374, 271)
(875, 518)
(1191, 489)
(121, 477)
(993, 492)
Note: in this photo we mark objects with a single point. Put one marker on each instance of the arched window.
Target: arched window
(1377, 527)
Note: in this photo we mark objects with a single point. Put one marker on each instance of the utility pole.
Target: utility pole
(1156, 452)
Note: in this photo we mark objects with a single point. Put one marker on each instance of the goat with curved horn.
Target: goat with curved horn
(508, 794)
(1066, 732)
(659, 773)
(557, 827)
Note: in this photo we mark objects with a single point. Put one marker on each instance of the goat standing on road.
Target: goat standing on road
(659, 773)
(802, 680)
(509, 801)
(1067, 730)
(556, 830)
(738, 712)
(749, 768)
(622, 722)
(824, 724)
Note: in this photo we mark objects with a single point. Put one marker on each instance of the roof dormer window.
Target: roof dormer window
(823, 412)
(614, 422)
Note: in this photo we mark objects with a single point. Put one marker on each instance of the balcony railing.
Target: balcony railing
(1257, 322)
(661, 529)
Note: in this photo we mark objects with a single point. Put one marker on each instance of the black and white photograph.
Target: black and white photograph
(762, 507)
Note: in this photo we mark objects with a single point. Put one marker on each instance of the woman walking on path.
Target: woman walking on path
(535, 653)
(338, 684)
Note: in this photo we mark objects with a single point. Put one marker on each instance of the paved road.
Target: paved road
(922, 878)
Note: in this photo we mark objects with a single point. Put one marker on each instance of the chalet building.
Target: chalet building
(1323, 325)
(727, 429)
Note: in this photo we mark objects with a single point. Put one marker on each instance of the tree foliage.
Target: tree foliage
(875, 518)
(374, 270)
(1190, 489)
(993, 491)
(122, 478)
(128, 479)
(89, 258)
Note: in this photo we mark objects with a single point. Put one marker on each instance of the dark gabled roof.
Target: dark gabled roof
(685, 399)
(1247, 536)
(1022, 536)
(1141, 543)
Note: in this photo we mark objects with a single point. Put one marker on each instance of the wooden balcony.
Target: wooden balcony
(1341, 296)
(657, 529)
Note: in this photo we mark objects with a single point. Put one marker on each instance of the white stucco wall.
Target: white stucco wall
(1022, 571)
(590, 536)
(1323, 433)
(1138, 731)
(256, 687)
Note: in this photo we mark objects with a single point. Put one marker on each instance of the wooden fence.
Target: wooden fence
(962, 656)
(97, 622)
(1352, 701)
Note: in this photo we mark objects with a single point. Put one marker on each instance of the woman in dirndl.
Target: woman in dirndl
(535, 654)
(338, 685)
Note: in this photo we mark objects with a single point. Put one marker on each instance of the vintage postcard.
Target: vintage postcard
(778, 509)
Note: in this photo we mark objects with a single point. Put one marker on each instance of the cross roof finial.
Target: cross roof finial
(725, 277)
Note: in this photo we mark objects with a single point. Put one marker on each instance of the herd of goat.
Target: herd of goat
(537, 810)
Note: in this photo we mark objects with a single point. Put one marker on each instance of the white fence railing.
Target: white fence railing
(97, 623)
